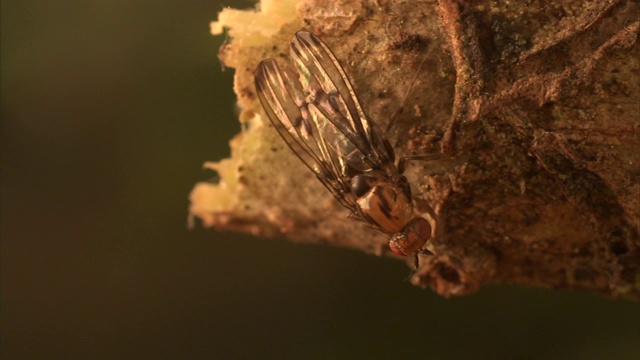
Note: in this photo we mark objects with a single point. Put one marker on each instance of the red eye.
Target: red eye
(412, 238)
(396, 250)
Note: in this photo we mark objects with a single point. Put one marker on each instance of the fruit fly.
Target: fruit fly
(317, 113)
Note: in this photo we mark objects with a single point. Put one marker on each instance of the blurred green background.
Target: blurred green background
(109, 109)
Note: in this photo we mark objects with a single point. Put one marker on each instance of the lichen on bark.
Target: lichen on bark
(533, 106)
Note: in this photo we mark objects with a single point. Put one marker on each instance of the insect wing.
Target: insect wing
(327, 87)
(276, 92)
(318, 115)
(282, 98)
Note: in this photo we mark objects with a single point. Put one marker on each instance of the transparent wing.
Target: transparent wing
(277, 92)
(326, 86)
(318, 115)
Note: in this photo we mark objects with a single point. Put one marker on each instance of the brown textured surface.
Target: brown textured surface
(535, 107)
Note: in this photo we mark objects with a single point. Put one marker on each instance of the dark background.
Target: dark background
(109, 109)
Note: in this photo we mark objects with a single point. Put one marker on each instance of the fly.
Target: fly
(318, 115)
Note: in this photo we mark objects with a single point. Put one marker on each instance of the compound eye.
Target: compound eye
(395, 244)
(361, 184)
(419, 231)
(411, 240)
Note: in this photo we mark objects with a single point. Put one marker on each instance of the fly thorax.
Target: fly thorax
(382, 203)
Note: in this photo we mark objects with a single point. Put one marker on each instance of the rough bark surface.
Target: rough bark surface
(533, 105)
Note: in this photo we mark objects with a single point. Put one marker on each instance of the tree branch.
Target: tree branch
(534, 109)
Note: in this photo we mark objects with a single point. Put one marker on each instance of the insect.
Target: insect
(317, 113)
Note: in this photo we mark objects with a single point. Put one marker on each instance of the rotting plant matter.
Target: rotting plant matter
(534, 107)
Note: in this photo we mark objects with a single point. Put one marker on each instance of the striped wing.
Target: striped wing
(319, 116)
